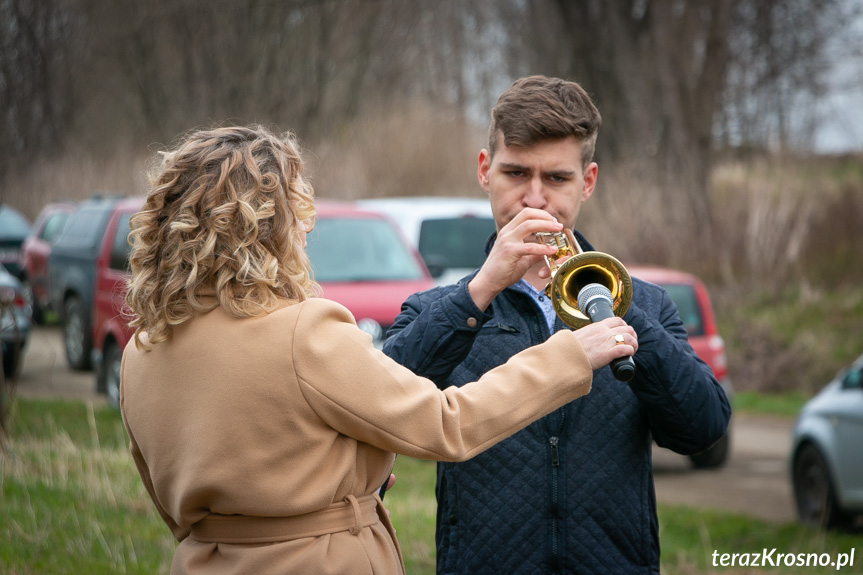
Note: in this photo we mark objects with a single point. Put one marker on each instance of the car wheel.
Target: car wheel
(76, 334)
(11, 363)
(714, 456)
(813, 489)
(111, 365)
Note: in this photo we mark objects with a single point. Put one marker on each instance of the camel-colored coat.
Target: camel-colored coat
(296, 411)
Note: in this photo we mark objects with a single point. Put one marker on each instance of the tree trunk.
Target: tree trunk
(656, 69)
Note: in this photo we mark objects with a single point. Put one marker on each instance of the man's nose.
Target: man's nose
(534, 195)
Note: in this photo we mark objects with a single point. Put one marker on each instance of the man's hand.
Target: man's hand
(515, 251)
(598, 341)
(389, 485)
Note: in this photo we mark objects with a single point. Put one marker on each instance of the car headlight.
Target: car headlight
(372, 328)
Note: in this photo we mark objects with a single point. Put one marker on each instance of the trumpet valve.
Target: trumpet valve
(557, 241)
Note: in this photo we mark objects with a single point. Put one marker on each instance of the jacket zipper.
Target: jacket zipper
(540, 333)
(554, 441)
(538, 330)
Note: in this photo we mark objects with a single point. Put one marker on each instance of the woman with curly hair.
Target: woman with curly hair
(261, 419)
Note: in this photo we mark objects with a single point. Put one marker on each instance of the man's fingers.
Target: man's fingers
(606, 340)
(526, 231)
(529, 221)
(531, 214)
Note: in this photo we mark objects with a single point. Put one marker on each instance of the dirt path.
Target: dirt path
(46, 374)
(753, 482)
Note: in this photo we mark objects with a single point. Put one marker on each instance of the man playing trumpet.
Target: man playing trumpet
(573, 492)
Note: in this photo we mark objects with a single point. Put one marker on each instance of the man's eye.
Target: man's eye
(516, 173)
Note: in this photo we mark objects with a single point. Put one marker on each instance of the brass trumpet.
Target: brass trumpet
(581, 269)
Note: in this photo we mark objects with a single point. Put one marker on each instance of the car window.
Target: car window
(853, 378)
(53, 226)
(455, 242)
(13, 224)
(84, 229)
(684, 298)
(120, 247)
(359, 249)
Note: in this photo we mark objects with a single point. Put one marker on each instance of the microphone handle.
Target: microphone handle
(623, 368)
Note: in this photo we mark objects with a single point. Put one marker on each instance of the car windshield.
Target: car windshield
(84, 228)
(687, 307)
(455, 242)
(12, 224)
(53, 226)
(359, 249)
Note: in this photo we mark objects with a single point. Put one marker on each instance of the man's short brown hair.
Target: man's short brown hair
(539, 108)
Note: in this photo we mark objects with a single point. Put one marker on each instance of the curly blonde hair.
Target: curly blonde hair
(224, 217)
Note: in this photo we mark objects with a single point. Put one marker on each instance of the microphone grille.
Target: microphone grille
(593, 291)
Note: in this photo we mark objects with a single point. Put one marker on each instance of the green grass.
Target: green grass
(71, 499)
(412, 506)
(72, 503)
(792, 339)
(783, 404)
(50, 318)
(689, 538)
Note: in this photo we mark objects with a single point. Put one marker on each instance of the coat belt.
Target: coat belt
(352, 514)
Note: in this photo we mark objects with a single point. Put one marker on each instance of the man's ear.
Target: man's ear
(482, 169)
(590, 175)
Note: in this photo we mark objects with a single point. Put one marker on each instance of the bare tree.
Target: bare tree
(33, 78)
(656, 69)
(777, 73)
(675, 80)
(670, 77)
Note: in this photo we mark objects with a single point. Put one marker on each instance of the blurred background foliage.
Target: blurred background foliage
(708, 149)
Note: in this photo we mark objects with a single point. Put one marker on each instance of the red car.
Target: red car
(695, 310)
(362, 261)
(359, 258)
(35, 252)
(110, 315)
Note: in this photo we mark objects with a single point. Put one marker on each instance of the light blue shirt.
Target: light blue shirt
(542, 300)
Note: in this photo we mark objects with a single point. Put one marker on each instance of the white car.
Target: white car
(827, 453)
(449, 232)
(14, 324)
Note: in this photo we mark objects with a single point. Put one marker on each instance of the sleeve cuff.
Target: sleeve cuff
(464, 313)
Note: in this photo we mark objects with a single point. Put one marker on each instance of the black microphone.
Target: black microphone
(595, 300)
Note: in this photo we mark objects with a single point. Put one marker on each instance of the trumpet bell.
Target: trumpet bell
(581, 270)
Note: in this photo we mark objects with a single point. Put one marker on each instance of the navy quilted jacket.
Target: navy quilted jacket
(573, 492)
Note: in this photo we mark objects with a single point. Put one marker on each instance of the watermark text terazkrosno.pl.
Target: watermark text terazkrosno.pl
(774, 558)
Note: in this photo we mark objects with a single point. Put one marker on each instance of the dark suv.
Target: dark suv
(72, 275)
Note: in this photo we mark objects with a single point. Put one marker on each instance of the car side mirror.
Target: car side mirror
(853, 378)
(436, 265)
